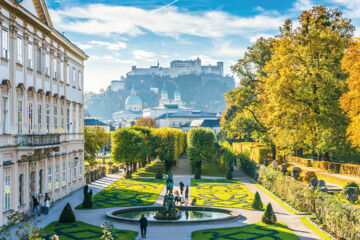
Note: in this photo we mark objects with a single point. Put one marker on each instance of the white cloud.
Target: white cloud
(108, 45)
(301, 5)
(143, 55)
(110, 59)
(352, 7)
(254, 38)
(100, 19)
(225, 50)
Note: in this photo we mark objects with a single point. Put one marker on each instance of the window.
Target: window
(75, 166)
(69, 176)
(68, 120)
(21, 189)
(19, 50)
(39, 112)
(5, 115)
(57, 174)
(74, 120)
(47, 64)
(30, 55)
(64, 174)
(67, 74)
(55, 68)
(81, 169)
(61, 74)
(7, 193)
(5, 44)
(55, 119)
(62, 119)
(47, 117)
(73, 77)
(80, 80)
(19, 116)
(39, 60)
(80, 120)
(30, 118)
(49, 179)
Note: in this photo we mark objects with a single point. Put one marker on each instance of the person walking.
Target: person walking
(47, 204)
(143, 224)
(181, 187)
(186, 195)
(35, 205)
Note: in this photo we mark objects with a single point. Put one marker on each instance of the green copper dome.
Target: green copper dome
(133, 100)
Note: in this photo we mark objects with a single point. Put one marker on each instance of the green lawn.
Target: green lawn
(211, 168)
(128, 192)
(254, 231)
(81, 230)
(221, 193)
(150, 170)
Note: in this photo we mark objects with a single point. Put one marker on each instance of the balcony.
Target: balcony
(34, 140)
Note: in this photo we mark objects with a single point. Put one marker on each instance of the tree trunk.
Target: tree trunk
(273, 151)
(326, 156)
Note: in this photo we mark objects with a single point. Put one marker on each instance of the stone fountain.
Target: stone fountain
(169, 211)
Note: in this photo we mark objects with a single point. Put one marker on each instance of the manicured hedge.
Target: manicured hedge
(256, 151)
(341, 218)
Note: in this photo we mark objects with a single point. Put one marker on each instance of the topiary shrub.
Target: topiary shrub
(308, 176)
(257, 203)
(229, 174)
(349, 185)
(67, 215)
(269, 215)
(87, 203)
(159, 175)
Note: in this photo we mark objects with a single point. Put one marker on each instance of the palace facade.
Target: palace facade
(41, 108)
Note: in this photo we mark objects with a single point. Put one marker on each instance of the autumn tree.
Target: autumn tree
(350, 101)
(146, 122)
(129, 147)
(95, 139)
(303, 82)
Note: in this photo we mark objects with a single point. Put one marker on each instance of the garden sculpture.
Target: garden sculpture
(169, 184)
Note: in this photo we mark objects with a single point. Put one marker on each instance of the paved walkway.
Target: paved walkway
(182, 172)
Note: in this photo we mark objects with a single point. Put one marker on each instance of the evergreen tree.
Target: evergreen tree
(67, 215)
(269, 215)
(257, 203)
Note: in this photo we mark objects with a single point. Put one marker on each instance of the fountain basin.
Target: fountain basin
(188, 214)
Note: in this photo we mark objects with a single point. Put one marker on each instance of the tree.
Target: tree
(303, 82)
(95, 138)
(350, 100)
(200, 142)
(67, 215)
(146, 122)
(257, 203)
(269, 215)
(129, 147)
(147, 135)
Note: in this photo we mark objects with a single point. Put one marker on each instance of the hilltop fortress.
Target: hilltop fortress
(178, 68)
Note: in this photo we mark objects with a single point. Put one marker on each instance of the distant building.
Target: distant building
(132, 112)
(213, 124)
(117, 85)
(92, 122)
(181, 118)
(180, 67)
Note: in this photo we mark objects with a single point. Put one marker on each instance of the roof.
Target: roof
(128, 112)
(193, 114)
(205, 123)
(133, 100)
(93, 122)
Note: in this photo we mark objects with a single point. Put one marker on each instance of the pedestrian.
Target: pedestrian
(181, 187)
(177, 197)
(143, 224)
(186, 195)
(35, 205)
(47, 203)
(182, 200)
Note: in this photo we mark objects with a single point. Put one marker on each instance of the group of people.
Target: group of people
(36, 204)
(181, 198)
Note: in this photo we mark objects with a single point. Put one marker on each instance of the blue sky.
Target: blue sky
(117, 34)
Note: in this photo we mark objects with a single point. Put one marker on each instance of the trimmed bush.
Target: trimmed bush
(309, 175)
(67, 215)
(257, 203)
(269, 215)
(349, 184)
(87, 203)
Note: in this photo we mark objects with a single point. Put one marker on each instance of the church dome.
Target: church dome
(177, 94)
(133, 100)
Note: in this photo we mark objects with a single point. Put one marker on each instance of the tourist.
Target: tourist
(47, 203)
(182, 200)
(143, 224)
(181, 187)
(177, 197)
(35, 205)
(186, 194)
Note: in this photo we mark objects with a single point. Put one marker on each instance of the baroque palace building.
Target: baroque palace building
(41, 108)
